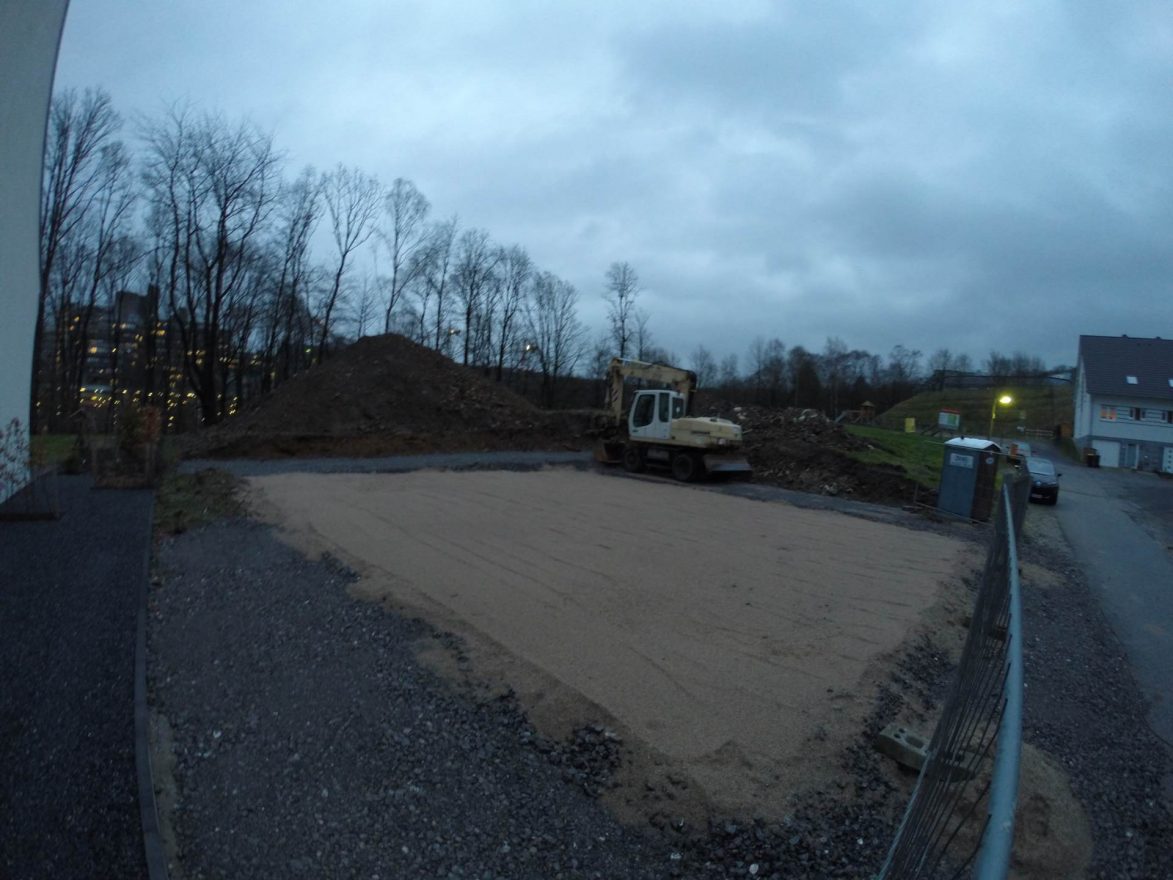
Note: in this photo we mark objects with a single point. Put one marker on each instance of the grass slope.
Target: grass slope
(1040, 407)
(920, 456)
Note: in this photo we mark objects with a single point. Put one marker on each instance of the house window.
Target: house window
(1125, 414)
(1107, 413)
(1131, 380)
(1153, 415)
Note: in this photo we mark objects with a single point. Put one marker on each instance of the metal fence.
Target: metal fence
(960, 819)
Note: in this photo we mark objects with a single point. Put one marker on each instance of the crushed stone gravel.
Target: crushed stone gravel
(1083, 706)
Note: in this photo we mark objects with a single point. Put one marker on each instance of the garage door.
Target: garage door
(1109, 453)
(1167, 463)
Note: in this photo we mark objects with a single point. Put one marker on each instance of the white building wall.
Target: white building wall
(1124, 429)
(29, 36)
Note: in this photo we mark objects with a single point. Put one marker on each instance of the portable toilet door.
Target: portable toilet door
(967, 478)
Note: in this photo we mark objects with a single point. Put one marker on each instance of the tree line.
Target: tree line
(206, 215)
(257, 274)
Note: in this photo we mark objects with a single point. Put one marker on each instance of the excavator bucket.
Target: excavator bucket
(727, 464)
(609, 451)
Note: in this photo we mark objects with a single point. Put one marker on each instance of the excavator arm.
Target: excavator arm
(682, 381)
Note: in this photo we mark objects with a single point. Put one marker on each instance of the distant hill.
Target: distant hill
(1036, 407)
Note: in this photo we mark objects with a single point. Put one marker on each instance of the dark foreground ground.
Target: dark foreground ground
(69, 596)
(309, 741)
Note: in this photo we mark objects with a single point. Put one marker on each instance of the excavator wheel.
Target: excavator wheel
(685, 467)
(633, 459)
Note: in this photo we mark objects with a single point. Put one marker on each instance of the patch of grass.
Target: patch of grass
(52, 448)
(920, 456)
(187, 501)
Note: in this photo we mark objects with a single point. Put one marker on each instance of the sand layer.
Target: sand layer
(734, 644)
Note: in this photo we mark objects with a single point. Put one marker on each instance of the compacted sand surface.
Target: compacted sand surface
(734, 645)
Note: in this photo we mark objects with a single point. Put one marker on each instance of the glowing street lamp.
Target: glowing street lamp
(1005, 400)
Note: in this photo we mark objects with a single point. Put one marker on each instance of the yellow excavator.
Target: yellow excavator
(660, 432)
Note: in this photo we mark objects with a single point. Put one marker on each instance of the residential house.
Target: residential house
(1124, 401)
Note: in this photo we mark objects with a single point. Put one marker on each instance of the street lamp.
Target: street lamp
(1005, 400)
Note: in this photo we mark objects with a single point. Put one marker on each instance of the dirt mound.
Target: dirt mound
(803, 449)
(386, 395)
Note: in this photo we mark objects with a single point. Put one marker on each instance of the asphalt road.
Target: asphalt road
(1119, 525)
(69, 600)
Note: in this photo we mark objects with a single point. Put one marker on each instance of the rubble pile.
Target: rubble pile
(803, 449)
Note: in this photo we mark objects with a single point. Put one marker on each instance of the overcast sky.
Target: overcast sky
(971, 175)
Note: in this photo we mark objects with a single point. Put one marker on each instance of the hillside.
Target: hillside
(1034, 407)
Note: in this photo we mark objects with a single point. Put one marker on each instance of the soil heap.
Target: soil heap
(803, 449)
(387, 395)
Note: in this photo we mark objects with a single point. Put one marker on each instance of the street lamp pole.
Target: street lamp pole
(1005, 400)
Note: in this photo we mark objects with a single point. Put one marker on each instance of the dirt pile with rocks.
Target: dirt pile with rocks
(803, 449)
(387, 395)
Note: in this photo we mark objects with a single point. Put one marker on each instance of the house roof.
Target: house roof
(1126, 366)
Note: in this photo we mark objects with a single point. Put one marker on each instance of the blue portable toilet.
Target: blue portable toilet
(968, 474)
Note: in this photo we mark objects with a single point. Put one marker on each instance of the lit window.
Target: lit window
(1131, 380)
(1107, 413)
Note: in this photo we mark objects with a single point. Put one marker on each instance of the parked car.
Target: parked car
(1044, 480)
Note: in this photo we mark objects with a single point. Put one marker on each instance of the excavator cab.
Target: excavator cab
(652, 413)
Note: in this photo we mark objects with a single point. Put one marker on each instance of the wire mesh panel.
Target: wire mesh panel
(969, 783)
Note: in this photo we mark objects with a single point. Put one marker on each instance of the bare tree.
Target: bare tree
(622, 290)
(834, 365)
(516, 273)
(285, 338)
(642, 334)
(553, 325)
(704, 366)
(774, 371)
(757, 367)
(475, 261)
(728, 377)
(363, 310)
(352, 200)
(211, 188)
(406, 235)
(80, 127)
(436, 260)
(903, 371)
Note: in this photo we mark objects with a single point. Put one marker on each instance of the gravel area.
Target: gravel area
(1083, 707)
(310, 741)
(391, 464)
(69, 597)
